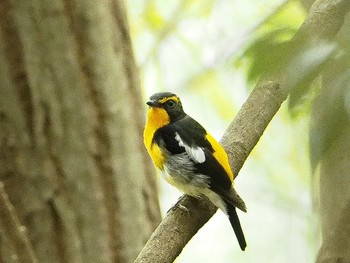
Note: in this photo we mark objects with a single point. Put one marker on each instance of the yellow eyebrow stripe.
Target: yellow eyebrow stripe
(174, 98)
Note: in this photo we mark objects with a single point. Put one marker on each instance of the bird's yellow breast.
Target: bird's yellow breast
(156, 118)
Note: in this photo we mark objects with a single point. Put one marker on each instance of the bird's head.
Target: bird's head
(166, 103)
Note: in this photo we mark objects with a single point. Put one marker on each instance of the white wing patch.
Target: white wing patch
(195, 153)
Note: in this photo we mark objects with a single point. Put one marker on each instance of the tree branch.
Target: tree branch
(178, 227)
(13, 231)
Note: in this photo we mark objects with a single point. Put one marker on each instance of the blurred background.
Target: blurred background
(205, 52)
(76, 183)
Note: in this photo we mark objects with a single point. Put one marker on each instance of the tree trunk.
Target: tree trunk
(335, 203)
(330, 144)
(72, 158)
(334, 134)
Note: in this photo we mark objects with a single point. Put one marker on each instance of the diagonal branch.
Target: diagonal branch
(178, 227)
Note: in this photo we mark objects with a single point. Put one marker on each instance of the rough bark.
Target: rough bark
(19, 246)
(72, 158)
(323, 22)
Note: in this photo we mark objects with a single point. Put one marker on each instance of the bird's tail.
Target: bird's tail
(236, 225)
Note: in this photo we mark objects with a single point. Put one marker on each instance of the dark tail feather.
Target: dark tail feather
(236, 225)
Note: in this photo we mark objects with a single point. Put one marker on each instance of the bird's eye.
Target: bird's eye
(170, 103)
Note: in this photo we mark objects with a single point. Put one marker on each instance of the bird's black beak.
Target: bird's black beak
(152, 103)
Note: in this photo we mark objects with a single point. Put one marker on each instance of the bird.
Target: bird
(189, 158)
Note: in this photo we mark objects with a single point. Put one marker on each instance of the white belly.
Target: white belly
(196, 188)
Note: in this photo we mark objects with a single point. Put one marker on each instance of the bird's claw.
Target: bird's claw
(179, 205)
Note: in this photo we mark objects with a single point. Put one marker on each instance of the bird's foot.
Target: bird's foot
(179, 205)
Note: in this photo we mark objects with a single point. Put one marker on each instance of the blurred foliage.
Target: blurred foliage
(273, 52)
(270, 48)
(155, 21)
(303, 68)
(299, 64)
(212, 53)
(317, 75)
(331, 108)
(330, 112)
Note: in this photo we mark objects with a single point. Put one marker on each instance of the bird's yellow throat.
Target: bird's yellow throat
(156, 118)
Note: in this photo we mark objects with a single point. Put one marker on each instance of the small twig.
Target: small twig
(13, 231)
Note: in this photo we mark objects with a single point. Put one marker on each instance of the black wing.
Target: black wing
(193, 136)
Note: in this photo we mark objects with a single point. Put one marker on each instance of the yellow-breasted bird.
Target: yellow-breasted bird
(190, 158)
